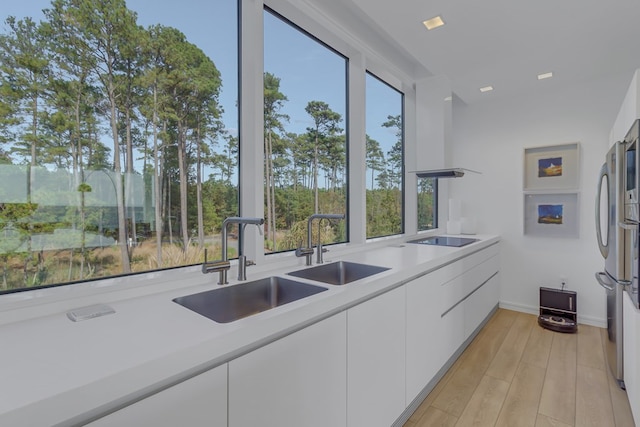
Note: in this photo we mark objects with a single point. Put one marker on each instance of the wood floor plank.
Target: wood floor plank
(544, 421)
(619, 403)
(485, 404)
(505, 363)
(426, 403)
(593, 403)
(556, 383)
(589, 342)
(521, 405)
(558, 399)
(538, 347)
(474, 362)
(434, 417)
(502, 319)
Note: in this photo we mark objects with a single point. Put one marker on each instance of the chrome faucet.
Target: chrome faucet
(220, 266)
(223, 265)
(308, 251)
(242, 259)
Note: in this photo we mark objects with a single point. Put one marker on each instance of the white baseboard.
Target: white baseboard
(585, 320)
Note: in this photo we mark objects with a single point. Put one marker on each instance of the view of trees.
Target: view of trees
(115, 158)
(91, 103)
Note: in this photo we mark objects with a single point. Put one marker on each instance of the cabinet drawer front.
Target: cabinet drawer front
(455, 269)
(461, 286)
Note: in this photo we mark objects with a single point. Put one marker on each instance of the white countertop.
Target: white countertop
(65, 372)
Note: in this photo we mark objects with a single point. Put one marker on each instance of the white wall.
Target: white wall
(491, 138)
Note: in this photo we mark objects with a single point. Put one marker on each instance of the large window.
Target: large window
(118, 136)
(304, 136)
(384, 158)
(427, 203)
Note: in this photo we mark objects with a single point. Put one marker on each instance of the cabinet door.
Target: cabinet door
(424, 333)
(376, 360)
(299, 380)
(199, 401)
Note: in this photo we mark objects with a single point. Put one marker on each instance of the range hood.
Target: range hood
(443, 173)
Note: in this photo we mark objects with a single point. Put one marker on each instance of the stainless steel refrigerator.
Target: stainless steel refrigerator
(613, 235)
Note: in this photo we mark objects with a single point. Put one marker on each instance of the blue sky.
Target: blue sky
(307, 69)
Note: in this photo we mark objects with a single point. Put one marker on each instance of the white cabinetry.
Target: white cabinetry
(199, 401)
(376, 360)
(425, 336)
(468, 296)
(299, 380)
(444, 308)
(631, 329)
(478, 305)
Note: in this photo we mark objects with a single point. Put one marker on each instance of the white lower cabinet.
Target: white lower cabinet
(376, 360)
(361, 367)
(299, 380)
(631, 354)
(480, 303)
(199, 401)
(425, 336)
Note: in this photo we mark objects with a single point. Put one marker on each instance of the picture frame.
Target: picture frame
(551, 214)
(554, 167)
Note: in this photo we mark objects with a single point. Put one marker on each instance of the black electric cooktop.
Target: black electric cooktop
(445, 241)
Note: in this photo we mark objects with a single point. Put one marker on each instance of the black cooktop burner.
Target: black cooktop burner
(445, 241)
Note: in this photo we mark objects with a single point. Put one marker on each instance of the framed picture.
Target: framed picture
(551, 215)
(552, 168)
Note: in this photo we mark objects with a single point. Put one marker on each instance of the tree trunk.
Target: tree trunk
(199, 191)
(157, 179)
(122, 223)
(182, 167)
(315, 178)
(129, 182)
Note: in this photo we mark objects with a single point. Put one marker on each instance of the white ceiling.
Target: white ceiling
(507, 43)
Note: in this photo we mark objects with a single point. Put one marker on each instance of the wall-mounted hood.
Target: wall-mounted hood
(443, 173)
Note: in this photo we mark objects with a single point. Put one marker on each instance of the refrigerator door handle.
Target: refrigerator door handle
(604, 247)
(627, 225)
(603, 282)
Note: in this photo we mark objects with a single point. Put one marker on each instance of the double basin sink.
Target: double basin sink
(232, 303)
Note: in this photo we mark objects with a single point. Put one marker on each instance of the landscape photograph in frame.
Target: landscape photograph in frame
(549, 167)
(550, 214)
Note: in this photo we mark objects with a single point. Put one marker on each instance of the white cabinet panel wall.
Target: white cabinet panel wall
(299, 380)
(376, 360)
(197, 402)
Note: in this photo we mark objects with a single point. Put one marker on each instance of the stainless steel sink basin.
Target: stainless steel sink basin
(224, 305)
(338, 273)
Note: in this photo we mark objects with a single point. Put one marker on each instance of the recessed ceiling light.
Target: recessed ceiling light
(486, 89)
(545, 76)
(448, 98)
(434, 22)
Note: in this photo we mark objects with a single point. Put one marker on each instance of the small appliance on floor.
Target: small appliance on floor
(558, 311)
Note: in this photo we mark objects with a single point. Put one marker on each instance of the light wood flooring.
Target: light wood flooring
(515, 373)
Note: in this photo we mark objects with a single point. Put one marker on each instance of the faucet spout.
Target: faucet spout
(242, 259)
(308, 251)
